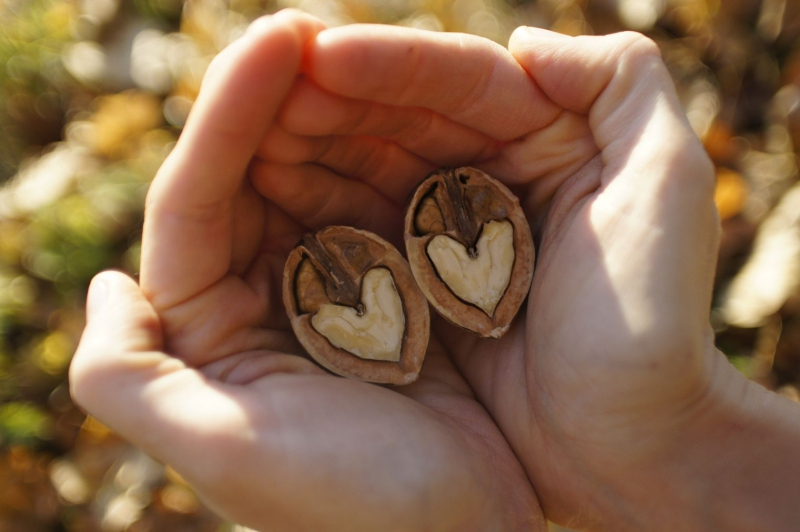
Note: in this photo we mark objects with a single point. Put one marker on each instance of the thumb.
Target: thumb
(118, 313)
(624, 87)
(575, 71)
(649, 151)
(122, 338)
(119, 348)
(120, 375)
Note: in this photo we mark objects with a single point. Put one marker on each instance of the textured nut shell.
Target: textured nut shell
(439, 295)
(415, 309)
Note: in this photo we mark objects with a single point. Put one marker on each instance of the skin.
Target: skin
(607, 395)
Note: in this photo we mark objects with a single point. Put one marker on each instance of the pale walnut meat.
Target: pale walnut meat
(355, 306)
(470, 248)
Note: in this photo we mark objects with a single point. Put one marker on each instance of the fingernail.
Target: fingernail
(97, 297)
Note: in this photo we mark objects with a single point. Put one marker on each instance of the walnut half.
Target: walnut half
(355, 306)
(470, 248)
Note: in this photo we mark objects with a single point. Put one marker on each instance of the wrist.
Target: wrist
(738, 464)
(730, 462)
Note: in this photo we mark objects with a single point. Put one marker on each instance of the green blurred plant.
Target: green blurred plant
(33, 82)
(23, 423)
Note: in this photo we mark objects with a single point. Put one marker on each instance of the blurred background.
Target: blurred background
(93, 94)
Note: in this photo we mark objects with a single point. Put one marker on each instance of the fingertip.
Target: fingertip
(114, 277)
(306, 26)
(305, 20)
(528, 34)
(332, 45)
(104, 287)
(97, 295)
(284, 35)
(119, 317)
(354, 60)
(121, 327)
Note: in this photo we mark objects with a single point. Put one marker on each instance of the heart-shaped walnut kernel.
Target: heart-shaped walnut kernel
(355, 307)
(470, 248)
(377, 333)
(482, 279)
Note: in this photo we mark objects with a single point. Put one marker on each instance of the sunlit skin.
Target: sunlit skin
(606, 395)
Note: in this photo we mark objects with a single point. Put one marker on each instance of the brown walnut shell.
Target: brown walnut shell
(328, 268)
(460, 203)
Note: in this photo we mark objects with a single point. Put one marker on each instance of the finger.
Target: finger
(189, 206)
(317, 197)
(468, 79)
(248, 227)
(544, 160)
(381, 164)
(239, 98)
(623, 85)
(310, 110)
(281, 231)
(119, 375)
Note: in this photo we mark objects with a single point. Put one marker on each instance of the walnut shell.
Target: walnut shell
(326, 274)
(451, 211)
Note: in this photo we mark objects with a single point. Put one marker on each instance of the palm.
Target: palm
(365, 457)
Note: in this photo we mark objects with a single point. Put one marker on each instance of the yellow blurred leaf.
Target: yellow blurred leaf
(730, 194)
(179, 498)
(94, 429)
(121, 119)
(718, 142)
(53, 353)
(772, 273)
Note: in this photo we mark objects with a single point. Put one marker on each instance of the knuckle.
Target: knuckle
(261, 23)
(692, 179)
(637, 46)
(359, 121)
(638, 54)
(323, 206)
(418, 126)
(371, 161)
(477, 90)
(216, 66)
(290, 13)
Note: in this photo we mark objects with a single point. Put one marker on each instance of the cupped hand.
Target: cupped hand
(198, 366)
(603, 384)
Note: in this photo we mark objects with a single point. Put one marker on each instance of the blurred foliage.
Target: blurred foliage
(93, 94)
(23, 423)
(33, 84)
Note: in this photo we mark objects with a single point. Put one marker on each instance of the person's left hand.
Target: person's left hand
(199, 366)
